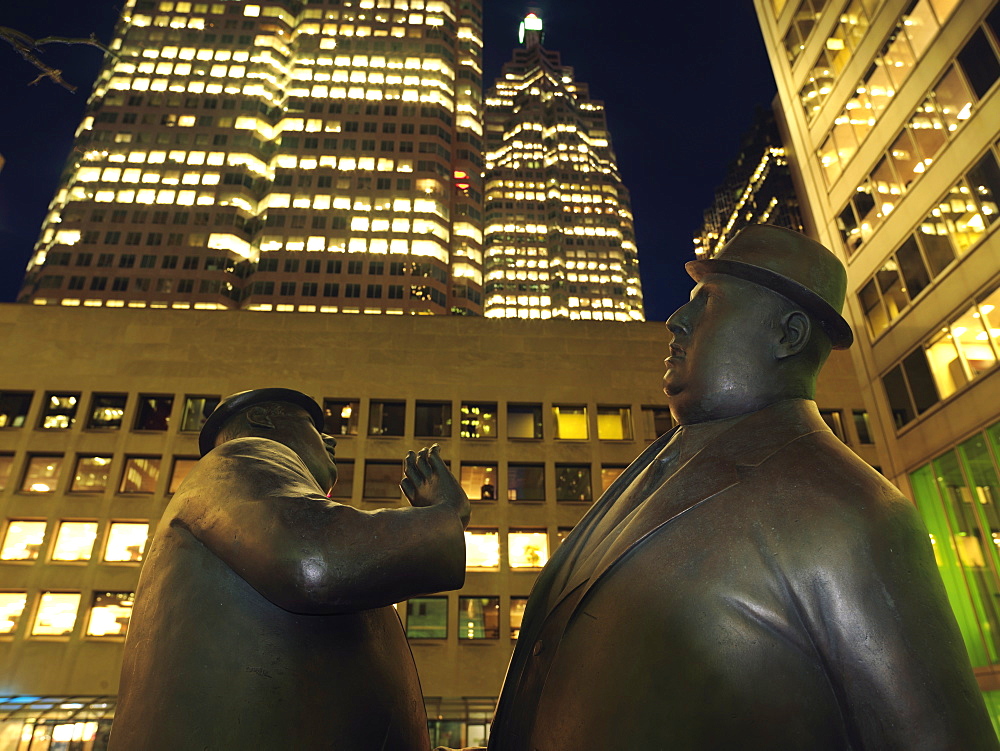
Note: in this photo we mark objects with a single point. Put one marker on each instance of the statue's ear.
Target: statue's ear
(796, 328)
(259, 418)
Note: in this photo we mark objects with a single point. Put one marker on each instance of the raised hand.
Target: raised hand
(427, 482)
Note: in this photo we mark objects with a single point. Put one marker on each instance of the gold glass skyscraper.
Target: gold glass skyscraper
(276, 155)
(559, 240)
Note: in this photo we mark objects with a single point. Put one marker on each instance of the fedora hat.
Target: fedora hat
(236, 403)
(791, 264)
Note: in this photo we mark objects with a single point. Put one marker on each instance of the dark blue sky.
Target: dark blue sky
(680, 82)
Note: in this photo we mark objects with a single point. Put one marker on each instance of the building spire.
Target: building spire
(531, 30)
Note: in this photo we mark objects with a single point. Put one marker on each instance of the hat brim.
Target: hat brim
(235, 404)
(833, 324)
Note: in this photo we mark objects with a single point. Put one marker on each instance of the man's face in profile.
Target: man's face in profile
(720, 350)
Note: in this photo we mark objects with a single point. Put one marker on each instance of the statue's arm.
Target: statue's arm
(889, 639)
(308, 554)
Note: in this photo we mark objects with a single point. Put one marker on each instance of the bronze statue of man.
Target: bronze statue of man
(263, 617)
(748, 582)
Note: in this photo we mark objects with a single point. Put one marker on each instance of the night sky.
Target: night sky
(680, 82)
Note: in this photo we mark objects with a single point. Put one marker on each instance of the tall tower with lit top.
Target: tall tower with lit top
(558, 240)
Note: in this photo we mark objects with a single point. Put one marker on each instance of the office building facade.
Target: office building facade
(891, 113)
(559, 239)
(280, 155)
(99, 416)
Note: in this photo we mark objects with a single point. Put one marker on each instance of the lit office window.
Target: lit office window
(59, 411)
(482, 549)
(527, 548)
(571, 422)
(56, 614)
(608, 475)
(153, 412)
(386, 418)
(517, 605)
(427, 618)
(479, 481)
(110, 613)
(655, 422)
(14, 407)
(182, 465)
(478, 618)
(75, 541)
(382, 479)
(524, 421)
(126, 541)
(106, 411)
(479, 420)
(42, 474)
(573, 483)
(91, 474)
(345, 479)
(862, 426)
(835, 421)
(6, 465)
(140, 475)
(340, 417)
(11, 609)
(22, 540)
(432, 420)
(196, 411)
(526, 482)
(614, 423)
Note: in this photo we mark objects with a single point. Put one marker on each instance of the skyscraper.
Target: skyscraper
(276, 155)
(892, 109)
(558, 235)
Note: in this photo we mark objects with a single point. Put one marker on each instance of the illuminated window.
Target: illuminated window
(110, 613)
(482, 549)
(573, 482)
(834, 420)
(862, 426)
(140, 475)
(479, 420)
(427, 618)
(75, 541)
(524, 421)
(59, 411)
(154, 412)
(517, 605)
(609, 473)
(655, 422)
(14, 407)
(340, 417)
(386, 418)
(479, 481)
(527, 548)
(42, 474)
(56, 614)
(196, 411)
(614, 423)
(571, 422)
(91, 474)
(22, 541)
(526, 482)
(432, 420)
(382, 479)
(106, 411)
(478, 618)
(11, 607)
(126, 541)
(6, 465)
(345, 479)
(182, 465)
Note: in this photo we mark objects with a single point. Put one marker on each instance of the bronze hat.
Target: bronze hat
(791, 264)
(236, 403)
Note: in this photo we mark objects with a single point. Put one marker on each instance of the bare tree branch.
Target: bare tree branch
(30, 50)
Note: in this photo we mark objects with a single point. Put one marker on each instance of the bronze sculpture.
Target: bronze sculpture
(748, 582)
(263, 617)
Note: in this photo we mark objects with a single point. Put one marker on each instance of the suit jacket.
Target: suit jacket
(263, 615)
(775, 592)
